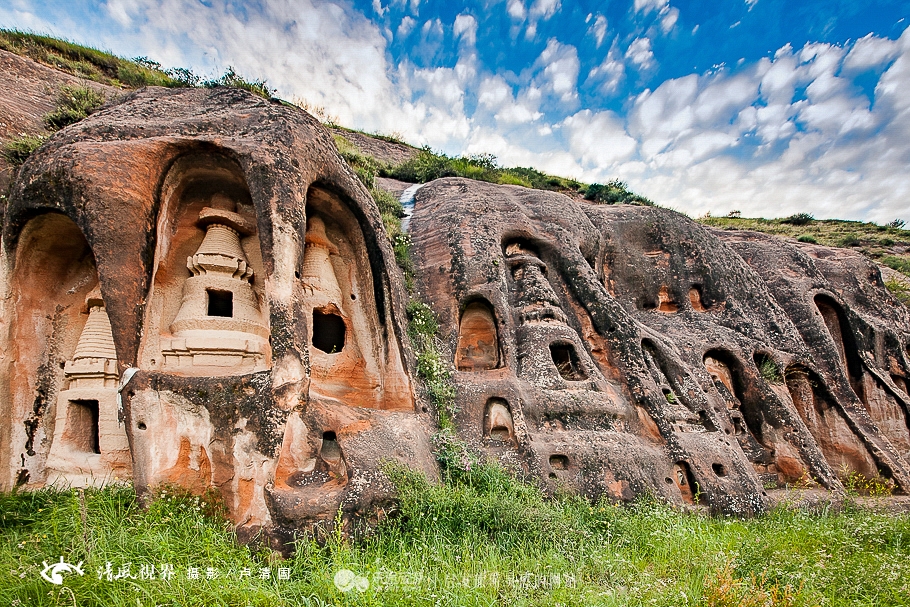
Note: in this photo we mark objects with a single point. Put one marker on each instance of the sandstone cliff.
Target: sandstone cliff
(197, 290)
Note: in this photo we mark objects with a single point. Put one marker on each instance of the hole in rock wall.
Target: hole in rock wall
(695, 299)
(756, 434)
(666, 301)
(567, 363)
(719, 469)
(207, 313)
(330, 450)
(497, 420)
(685, 482)
(220, 303)
(81, 432)
(559, 462)
(355, 358)
(328, 332)
(478, 343)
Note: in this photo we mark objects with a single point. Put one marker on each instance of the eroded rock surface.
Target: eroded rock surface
(617, 350)
(196, 290)
(244, 272)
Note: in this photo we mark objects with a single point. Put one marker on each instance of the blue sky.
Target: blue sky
(763, 106)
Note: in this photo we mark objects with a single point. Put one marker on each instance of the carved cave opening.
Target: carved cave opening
(567, 362)
(839, 329)
(207, 312)
(63, 375)
(354, 356)
(498, 423)
(696, 300)
(329, 332)
(478, 339)
(685, 482)
(841, 447)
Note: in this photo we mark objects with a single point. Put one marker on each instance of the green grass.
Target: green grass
(17, 150)
(73, 104)
(89, 63)
(889, 244)
(481, 538)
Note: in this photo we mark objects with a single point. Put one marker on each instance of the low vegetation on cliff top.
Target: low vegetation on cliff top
(887, 244)
(482, 538)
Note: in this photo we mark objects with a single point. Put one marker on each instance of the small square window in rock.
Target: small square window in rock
(566, 361)
(82, 426)
(220, 303)
(328, 332)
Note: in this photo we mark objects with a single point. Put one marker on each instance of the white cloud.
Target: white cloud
(544, 9)
(610, 73)
(647, 6)
(466, 27)
(640, 53)
(406, 26)
(598, 139)
(121, 11)
(561, 69)
(598, 29)
(516, 10)
(670, 16)
(751, 3)
(869, 52)
(379, 9)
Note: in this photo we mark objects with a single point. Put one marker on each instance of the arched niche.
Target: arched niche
(498, 423)
(355, 357)
(207, 314)
(839, 330)
(565, 359)
(751, 427)
(62, 377)
(478, 338)
(841, 447)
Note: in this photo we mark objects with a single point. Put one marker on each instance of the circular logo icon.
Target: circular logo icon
(346, 580)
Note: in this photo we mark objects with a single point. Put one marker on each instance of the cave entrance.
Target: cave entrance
(567, 363)
(329, 332)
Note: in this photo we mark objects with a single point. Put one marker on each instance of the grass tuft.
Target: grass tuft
(73, 104)
(17, 150)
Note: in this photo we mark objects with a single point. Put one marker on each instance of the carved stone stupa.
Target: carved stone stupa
(220, 323)
(90, 444)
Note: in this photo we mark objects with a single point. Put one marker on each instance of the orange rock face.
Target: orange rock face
(246, 303)
(197, 291)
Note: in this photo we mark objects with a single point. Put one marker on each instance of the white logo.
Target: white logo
(346, 580)
(53, 573)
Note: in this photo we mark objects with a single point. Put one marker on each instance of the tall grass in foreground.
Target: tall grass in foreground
(480, 539)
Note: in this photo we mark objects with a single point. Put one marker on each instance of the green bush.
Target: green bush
(233, 79)
(807, 238)
(614, 192)
(901, 264)
(848, 240)
(17, 150)
(900, 290)
(87, 62)
(73, 104)
(799, 219)
(769, 370)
